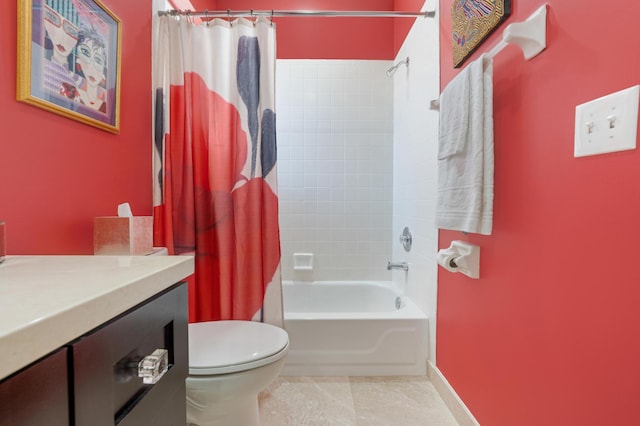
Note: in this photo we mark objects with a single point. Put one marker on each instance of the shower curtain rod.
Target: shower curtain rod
(296, 13)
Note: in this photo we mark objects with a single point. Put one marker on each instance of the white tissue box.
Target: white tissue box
(123, 235)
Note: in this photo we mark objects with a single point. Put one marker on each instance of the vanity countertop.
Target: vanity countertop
(47, 301)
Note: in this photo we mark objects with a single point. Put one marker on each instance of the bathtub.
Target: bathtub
(353, 328)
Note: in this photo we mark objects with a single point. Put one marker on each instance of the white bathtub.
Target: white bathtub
(353, 328)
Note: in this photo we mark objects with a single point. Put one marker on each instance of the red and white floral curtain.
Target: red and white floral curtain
(215, 186)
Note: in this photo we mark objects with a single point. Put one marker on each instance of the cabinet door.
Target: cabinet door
(37, 395)
(107, 390)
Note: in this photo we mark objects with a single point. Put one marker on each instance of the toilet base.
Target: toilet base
(240, 412)
(229, 399)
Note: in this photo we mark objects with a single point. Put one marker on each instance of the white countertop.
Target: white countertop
(47, 301)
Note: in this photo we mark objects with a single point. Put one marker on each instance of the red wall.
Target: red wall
(403, 25)
(331, 38)
(549, 334)
(56, 174)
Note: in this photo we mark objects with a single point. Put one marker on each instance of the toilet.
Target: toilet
(230, 362)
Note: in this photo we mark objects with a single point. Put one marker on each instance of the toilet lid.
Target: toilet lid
(217, 347)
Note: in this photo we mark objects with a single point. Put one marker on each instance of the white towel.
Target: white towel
(465, 151)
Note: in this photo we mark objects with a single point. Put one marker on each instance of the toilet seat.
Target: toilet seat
(221, 347)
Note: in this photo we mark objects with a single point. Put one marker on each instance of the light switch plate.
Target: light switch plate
(607, 124)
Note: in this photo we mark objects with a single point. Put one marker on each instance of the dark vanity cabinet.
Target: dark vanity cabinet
(38, 395)
(107, 389)
(93, 380)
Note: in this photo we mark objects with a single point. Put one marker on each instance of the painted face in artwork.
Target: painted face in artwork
(63, 34)
(91, 58)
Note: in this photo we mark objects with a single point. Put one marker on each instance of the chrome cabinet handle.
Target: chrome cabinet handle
(152, 367)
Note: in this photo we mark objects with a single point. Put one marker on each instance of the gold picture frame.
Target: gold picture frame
(472, 22)
(69, 54)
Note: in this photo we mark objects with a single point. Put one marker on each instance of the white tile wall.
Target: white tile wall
(415, 167)
(357, 163)
(335, 167)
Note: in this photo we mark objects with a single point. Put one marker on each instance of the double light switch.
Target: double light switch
(607, 124)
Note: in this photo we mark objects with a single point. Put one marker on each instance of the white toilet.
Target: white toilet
(230, 362)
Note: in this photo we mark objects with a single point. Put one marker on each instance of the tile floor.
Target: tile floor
(353, 401)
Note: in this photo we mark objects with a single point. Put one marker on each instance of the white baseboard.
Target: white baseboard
(459, 411)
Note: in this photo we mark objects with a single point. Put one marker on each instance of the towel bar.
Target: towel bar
(530, 36)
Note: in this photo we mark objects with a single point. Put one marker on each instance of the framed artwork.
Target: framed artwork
(472, 22)
(69, 60)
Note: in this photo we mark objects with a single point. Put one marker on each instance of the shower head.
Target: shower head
(394, 68)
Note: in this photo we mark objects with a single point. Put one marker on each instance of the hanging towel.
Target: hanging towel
(465, 151)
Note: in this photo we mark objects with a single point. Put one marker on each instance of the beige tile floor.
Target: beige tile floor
(353, 401)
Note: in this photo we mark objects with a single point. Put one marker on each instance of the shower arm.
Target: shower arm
(395, 67)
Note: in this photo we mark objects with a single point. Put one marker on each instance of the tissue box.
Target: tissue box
(123, 235)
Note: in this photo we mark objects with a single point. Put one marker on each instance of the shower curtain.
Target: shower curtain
(215, 192)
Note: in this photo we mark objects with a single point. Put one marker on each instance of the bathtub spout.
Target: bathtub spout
(403, 266)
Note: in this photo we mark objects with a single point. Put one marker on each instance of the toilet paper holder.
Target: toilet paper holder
(461, 257)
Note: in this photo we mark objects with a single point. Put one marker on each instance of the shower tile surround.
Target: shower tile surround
(415, 168)
(335, 167)
(316, 117)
